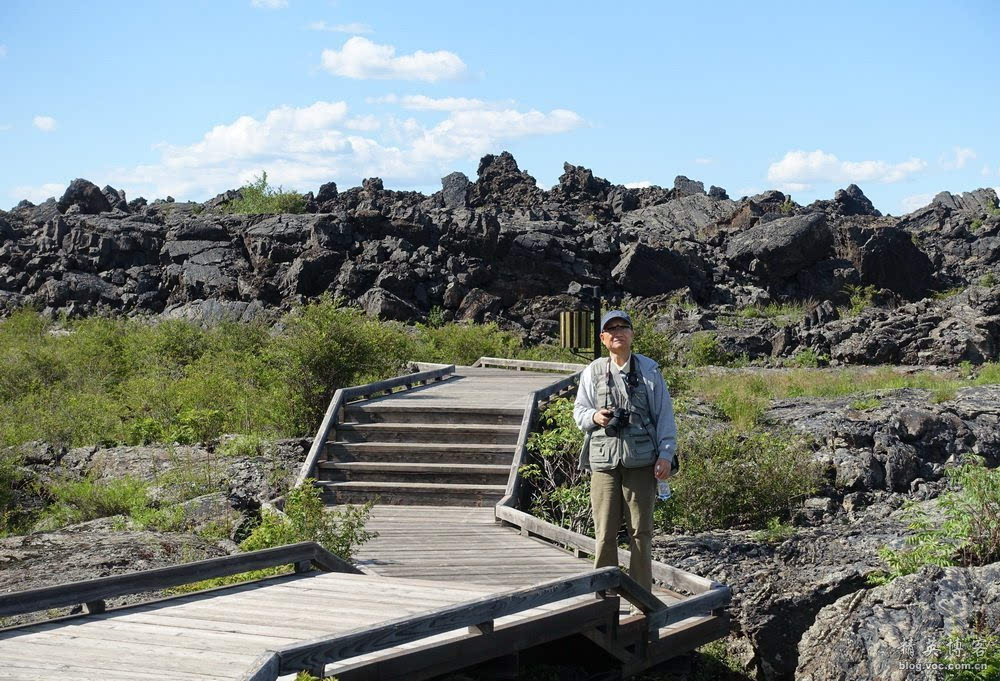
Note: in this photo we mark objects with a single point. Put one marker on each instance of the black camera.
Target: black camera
(619, 419)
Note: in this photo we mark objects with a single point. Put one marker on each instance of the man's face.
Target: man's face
(617, 336)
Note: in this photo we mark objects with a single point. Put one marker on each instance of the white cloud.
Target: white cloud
(302, 148)
(912, 203)
(799, 169)
(44, 123)
(957, 159)
(38, 193)
(269, 4)
(3, 50)
(703, 161)
(425, 103)
(362, 59)
(355, 27)
(641, 184)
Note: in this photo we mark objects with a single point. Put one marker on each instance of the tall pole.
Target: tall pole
(595, 300)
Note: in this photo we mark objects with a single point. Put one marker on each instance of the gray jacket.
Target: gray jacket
(661, 407)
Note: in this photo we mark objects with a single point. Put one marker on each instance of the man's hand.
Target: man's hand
(662, 469)
(602, 416)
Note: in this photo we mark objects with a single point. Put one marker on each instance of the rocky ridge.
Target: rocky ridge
(501, 249)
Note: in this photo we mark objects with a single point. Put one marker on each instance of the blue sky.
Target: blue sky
(191, 98)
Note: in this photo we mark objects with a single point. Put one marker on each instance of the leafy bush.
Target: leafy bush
(971, 656)
(464, 343)
(339, 530)
(775, 532)
(560, 492)
(705, 350)
(259, 198)
(12, 477)
(988, 279)
(324, 347)
(969, 534)
(732, 479)
(860, 297)
(807, 358)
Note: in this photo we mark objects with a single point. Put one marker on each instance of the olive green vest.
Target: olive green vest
(634, 447)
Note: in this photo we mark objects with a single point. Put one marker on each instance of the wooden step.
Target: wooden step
(389, 412)
(421, 452)
(412, 493)
(427, 432)
(385, 471)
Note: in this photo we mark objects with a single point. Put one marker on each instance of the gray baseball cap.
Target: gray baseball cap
(615, 314)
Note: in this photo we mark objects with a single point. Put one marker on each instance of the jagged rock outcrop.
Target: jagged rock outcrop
(894, 440)
(401, 254)
(778, 589)
(900, 630)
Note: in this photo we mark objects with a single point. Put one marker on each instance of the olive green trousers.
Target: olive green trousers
(624, 494)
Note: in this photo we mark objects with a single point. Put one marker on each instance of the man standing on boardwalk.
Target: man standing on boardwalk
(624, 408)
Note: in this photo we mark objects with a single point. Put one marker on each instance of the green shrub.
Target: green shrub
(339, 530)
(560, 493)
(775, 532)
(787, 208)
(860, 297)
(13, 518)
(969, 533)
(464, 343)
(970, 655)
(976, 224)
(731, 479)
(807, 358)
(259, 198)
(705, 350)
(988, 279)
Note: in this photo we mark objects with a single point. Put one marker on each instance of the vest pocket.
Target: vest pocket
(601, 455)
(640, 450)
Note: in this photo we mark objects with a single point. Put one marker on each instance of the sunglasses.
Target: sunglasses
(619, 327)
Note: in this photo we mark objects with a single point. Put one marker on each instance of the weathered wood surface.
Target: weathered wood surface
(95, 590)
(227, 634)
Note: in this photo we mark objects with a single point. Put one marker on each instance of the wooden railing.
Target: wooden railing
(478, 615)
(363, 392)
(92, 593)
(526, 364)
(706, 595)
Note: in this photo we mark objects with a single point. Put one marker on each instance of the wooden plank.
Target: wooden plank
(185, 667)
(309, 654)
(38, 670)
(207, 625)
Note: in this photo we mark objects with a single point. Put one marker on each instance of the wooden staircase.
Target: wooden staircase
(412, 455)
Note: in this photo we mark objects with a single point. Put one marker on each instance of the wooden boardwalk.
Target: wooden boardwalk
(459, 573)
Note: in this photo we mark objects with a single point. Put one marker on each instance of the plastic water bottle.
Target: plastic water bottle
(663, 490)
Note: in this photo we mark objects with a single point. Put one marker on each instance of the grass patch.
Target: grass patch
(77, 501)
(866, 403)
(260, 198)
(731, 479)
(969, 534)
(947, 293)
(988, 279)
(13, 518)
(775, 532)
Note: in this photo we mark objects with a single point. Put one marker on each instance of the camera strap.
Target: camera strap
(623, 387)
